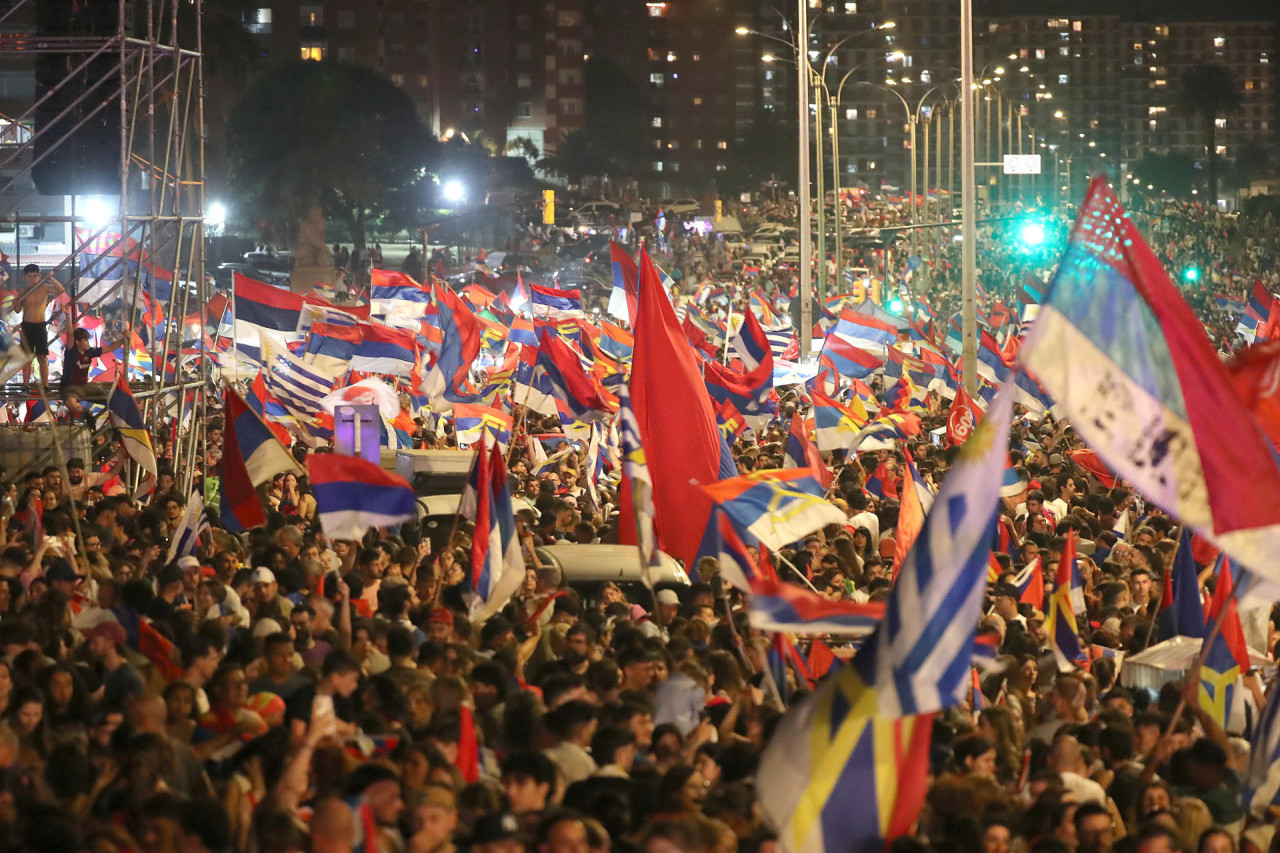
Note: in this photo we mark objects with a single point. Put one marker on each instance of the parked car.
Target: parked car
(587, 568)
(681, 205)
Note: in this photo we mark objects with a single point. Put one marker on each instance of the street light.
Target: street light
(805, 77)
(453, 191)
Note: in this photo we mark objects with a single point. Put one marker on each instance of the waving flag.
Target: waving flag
(239, 507)
(1261, 781)
(753, 348)
(580, 392)
(635, 495)
(459, 349)
(1228, 656)
(916, 502)
(1030, 584)
(778, 606)
(353, 495)
(497, 567)
(1130, 365)
(191, 525)
(864, 329)
(801, 453)
(835, 424)
(1060, 625)
(332, 345)
(751, 394)
(846, 358)
(836, 777)
(919, 657)
(383, 349)
(397, 298)
(473, 423)
(736, 565)
(676, 420)
(263, 306)
(624, 297)
(778, 507)
(616, 341)
(126, 417)
(1182, 614)
(551, 303)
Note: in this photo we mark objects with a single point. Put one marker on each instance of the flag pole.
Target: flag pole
(968, 256)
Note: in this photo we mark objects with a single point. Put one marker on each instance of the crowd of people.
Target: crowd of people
(280, 691)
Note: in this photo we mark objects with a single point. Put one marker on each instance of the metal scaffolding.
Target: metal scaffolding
(117, 265)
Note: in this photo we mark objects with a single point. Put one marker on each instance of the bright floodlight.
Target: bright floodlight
(742, 31)
(216, 215)
(453, 190)
(1032, 234)
(96, 212)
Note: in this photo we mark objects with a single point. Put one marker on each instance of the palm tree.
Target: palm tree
(1208, 93)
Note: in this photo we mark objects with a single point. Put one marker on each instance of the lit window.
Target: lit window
(697, 143)
(722, 144)
(721, 167)
(697, 57)
(851, 8)
(1248, 84)
(656, 79)
(657, 10)
(1077, 26)
(871, 114)
(1219, 41)
(697, 102)
(312, 16)
(1063, 78)
(1137, 45)
(657, 121)
(397, 79)
(657, 165)
(671, 57)
(1219, 122)
(313, 51)
(871, 165)
(850, 114)
(1064, 51)
(1040, 53)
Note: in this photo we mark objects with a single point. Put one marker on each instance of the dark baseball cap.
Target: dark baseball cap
(500, 826)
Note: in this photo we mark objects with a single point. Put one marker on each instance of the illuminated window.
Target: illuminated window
(1063, 79)
(657, 10)
(1064, 51)
(1040, 53)
(1219, 122)
(312, 16)
(722, 144)
(313, 51)
(1248, 84)
(397, 79)
(871, 114)
(656, 79)
(657, 165)
(657, 121)
(1077, 26)
(1219, 41)
(697, 101)
(850, 114)
(671, 57)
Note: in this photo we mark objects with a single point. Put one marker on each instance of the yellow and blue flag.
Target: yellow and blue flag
(1061, 625)
(778, 507)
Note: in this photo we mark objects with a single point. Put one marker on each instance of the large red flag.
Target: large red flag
(677, 422)
(1255, 371)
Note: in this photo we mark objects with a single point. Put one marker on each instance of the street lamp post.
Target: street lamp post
(805, 77)
(968, 263)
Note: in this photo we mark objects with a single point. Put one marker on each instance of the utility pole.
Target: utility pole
(968, 263)
(806, 247)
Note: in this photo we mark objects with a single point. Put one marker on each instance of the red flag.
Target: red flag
(821, 659)
(910, 515)
(962, 418)
(468, 761)
(241, 509)
(1255, 372)
(676, 420)
(1034, 592)
(1089, 461)
(1223, 609)
(157, 648)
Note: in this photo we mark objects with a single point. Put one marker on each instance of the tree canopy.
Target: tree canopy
(330, 134)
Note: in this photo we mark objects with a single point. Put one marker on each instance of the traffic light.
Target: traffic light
(548, 207)
(1032, 234)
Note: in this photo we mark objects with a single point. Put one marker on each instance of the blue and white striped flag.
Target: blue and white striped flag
(193, 523)
(635, 471)
(1262, 776)
(299, 386)
(919, 656)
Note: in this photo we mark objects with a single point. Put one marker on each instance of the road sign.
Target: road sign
(1022, 164)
